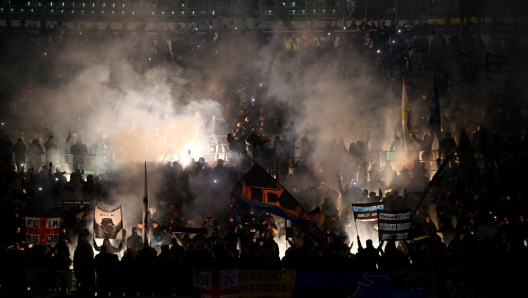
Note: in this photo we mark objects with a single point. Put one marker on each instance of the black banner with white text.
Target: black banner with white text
(502, 69)
(394, 225)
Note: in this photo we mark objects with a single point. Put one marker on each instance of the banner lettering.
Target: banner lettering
(502, 69)
(394, 224)
(73, 203)
(266, 283)
(367, 212)
(505, 32)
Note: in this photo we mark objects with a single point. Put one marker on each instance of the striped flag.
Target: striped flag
(257, 188)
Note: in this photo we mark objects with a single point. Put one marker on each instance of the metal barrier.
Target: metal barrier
(398, 160)
(89, 164)
(200, 10)
(214, 147)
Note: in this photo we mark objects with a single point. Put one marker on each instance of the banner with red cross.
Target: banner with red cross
(43, 231)
(216, 284)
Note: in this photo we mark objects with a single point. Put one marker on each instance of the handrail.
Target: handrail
(123, 11)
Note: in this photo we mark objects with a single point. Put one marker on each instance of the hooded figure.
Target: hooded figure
(135, 241)
(107, 229)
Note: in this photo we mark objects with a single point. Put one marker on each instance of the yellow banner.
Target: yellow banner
(266, 283)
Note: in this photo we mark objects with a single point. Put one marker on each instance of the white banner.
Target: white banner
(108, 224)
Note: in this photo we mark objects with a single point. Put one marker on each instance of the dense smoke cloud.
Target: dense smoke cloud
(156, 111)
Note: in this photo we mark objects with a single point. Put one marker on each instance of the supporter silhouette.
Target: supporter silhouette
(20, 154)
(35, 153)
(369, 256)
(52, 151)
(78, 149)
(134, 241)
(107, 247)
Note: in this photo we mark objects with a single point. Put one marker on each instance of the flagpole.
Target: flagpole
(355, 224)
(404, 114)
(144, 231)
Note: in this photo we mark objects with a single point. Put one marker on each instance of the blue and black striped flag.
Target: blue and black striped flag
(259, 189)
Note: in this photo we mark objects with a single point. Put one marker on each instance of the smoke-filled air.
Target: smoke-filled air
(152, 109)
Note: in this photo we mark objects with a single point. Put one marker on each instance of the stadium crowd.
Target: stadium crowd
(476, 217)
